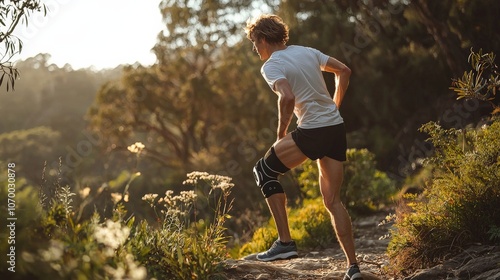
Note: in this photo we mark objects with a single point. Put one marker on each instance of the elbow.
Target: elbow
(287, 100)
(346, 71)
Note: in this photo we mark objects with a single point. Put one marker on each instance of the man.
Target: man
(294, 73)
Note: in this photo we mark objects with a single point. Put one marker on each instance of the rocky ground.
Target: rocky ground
(327, 264)
(479, 262)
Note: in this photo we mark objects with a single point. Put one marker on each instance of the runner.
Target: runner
(294, 73)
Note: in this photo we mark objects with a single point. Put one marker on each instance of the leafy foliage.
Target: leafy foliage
(482, 82)
(460, 204)
(53, 244)
(365, 188)
(29, 148)
(310, 227)
(182, 248)
(11, 13)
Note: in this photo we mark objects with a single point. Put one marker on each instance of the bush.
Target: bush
(310, 227)
(364, 188)
(52, 244)
(460, 204)
(183, 247)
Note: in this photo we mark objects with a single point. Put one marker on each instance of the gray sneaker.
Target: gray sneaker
(353, 273)
(279, 251)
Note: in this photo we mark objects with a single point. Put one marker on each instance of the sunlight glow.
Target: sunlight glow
(98, 33)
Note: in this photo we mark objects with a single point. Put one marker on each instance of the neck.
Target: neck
(276, 47)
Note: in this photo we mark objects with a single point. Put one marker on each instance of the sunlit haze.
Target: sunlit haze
(93, 33)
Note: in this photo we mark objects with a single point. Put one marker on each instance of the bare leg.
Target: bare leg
(291, 156)
(277, 206)
(331, 176)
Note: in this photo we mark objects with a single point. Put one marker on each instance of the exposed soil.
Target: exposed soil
(327, 264)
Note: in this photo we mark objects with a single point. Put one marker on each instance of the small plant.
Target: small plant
(494, 233)
(53, 245)
(482, 82)
(183, 246)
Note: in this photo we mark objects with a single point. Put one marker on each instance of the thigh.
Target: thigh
(288, 152)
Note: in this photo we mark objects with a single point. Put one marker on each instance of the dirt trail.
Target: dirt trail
(328, 264)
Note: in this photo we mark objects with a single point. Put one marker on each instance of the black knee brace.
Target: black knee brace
(266, 173)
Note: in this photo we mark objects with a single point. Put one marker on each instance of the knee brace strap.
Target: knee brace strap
(266, 173)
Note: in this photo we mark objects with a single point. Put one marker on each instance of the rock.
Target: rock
(488, 275)
(436, 272)
(477, 262)
(480, 264)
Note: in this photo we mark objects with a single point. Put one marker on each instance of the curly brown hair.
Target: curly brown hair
(270, 27)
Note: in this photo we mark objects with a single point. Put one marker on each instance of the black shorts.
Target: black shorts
(327, 141)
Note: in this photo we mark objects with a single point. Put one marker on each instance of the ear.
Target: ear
(262, 40)
(259, 40)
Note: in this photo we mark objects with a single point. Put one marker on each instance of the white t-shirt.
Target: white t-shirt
(301, 67)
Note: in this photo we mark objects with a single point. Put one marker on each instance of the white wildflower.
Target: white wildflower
(215, 181)
(168, 200)
(186, 197)
(135, 271)
(136, 148)
(54, 252)
(116, 273)
(112, 234)
(150, 198)
(116, 197)
(84, 192)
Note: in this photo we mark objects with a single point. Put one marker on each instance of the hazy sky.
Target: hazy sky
(99, 33)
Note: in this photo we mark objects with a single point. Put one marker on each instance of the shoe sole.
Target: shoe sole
(282, 256)
(355, 276)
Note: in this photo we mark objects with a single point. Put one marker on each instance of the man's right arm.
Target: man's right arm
(286, 104)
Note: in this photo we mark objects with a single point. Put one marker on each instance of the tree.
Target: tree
(11, 13)
(203, 106)
(174, 103)
(29, 149)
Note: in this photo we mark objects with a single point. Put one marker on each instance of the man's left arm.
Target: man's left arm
(342, 74)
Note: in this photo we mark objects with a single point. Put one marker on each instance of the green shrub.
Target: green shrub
(183, 247)
(52, 244)
(460, 204)
(311, 224)
(364, 188)
(262, 239)
(310, 227)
